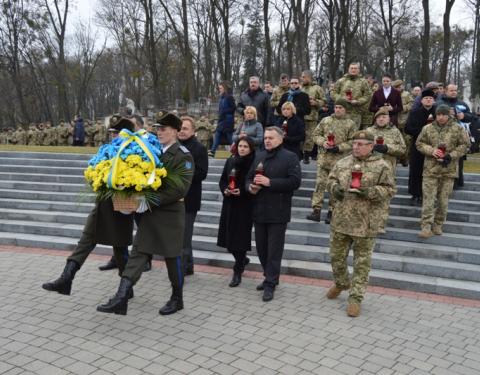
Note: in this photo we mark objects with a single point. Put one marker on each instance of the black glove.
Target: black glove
(333, 150)
(447, 159)
(362, 192)
(380, 148)
(338, 192)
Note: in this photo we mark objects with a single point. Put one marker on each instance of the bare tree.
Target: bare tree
(424, 70)
(446, 40)
(268, 43)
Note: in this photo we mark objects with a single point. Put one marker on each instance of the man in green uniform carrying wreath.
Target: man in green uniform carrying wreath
(160, 229)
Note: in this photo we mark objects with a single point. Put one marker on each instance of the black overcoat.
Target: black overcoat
(235, 227)
(292, 141)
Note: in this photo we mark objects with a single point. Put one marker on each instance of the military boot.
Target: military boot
(314, 215)
(437, 229)
(119, 303)
(306, 157)
(110, 265)
(328, 219)
(353, 310)
(425, 233)
(236, 280)
(334, 292)
(63, 284)
(174, 304)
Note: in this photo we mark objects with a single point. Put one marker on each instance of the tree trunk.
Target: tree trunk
(446, 40)
(268, 43)
(425, 66)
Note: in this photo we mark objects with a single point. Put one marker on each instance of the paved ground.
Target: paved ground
(222, 330)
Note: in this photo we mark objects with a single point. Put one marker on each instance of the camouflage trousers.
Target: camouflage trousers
(436, 191)
(362, 258)
(408, 142)
(309, 128)
(320, 187)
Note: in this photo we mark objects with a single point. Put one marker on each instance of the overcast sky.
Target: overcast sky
(84, 10)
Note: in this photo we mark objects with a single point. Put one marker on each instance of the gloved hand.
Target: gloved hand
(142, 205)
(381, 148)
(333, 150)
(447, 159)
(362, 192)
(338, 192)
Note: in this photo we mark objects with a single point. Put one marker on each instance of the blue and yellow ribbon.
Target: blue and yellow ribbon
(145, 146)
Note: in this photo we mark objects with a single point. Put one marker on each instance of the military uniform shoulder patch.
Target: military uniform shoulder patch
(188, 165)
(184, 149)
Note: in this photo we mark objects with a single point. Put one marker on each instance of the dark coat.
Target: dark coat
(459, 106)
(109, 227)
(200, 158)
(160, 231)
(226, 112)
(258, 99)
(79, 131)
(273, 204)
(416, 120)
(295, 135)
(235, 226)
(394, 99)
(300, 99)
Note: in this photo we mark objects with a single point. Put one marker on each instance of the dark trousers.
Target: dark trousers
(415, 172)
(459, 181)
(87, 243)
(240, 257)
(270, 239)
(187, 240)
(136, 265)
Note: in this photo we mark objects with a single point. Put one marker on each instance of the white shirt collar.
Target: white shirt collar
(387, 91)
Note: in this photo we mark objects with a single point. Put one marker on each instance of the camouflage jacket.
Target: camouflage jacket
(456, 140)
(394, 141)
(100, 133)
(277, 94)
(360, 91)
(354, 215)
(21, 137)
(407, 104)
(343, 130)
(316, 92)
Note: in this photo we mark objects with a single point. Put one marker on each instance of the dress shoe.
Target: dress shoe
(328, 219)
(148, 266)
(260, 286)
(353, 310)
(267, 294)
(110, 265)
(172, 306)
(63, 284)
(236, 280)
(189, 272)
(314, 215)
(247, 261)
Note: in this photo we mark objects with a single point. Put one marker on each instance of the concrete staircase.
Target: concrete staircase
(44, 203)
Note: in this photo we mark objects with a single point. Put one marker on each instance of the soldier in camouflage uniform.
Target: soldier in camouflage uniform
(62, 134)
(3, 136)
(440, 167)
(356, 90)
(11, 140)
(39, 135)
(89, 134)
(21, 135)
(355, 218)
(342, 128)
(407, 104)
(31, 135)
(204, 131)
(317, 100)
(277, 94)
(100, 133)
(390, 144)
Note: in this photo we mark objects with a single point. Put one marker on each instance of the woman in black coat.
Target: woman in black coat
(235, 228)
(294, 129)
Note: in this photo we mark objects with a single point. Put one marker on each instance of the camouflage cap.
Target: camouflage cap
(380, 112)
(341, 102)
(365, 135)
(397, 83)
(165, 118)
(442, 109)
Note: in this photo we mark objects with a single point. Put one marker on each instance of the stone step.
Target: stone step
(46, 162)
(383, 245)
(4, 155)
(385, 278)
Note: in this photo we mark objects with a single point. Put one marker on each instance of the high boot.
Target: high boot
(174, 304)
(63, 284)
(110, 265)
(236, 280)
(314, 215)
(306, 157)
(119, 303)
(328, 219)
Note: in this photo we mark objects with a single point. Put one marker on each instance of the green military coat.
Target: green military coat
(394, 141)
(160, 230)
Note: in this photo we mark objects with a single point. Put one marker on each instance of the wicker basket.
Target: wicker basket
(125, 203)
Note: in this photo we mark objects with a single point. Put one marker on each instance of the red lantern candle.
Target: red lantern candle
(285, 127)
(349, 94)
(357, 174)
(331, 139)
(232, 179)
(379, 140)
(443, 148)
(259, 171)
